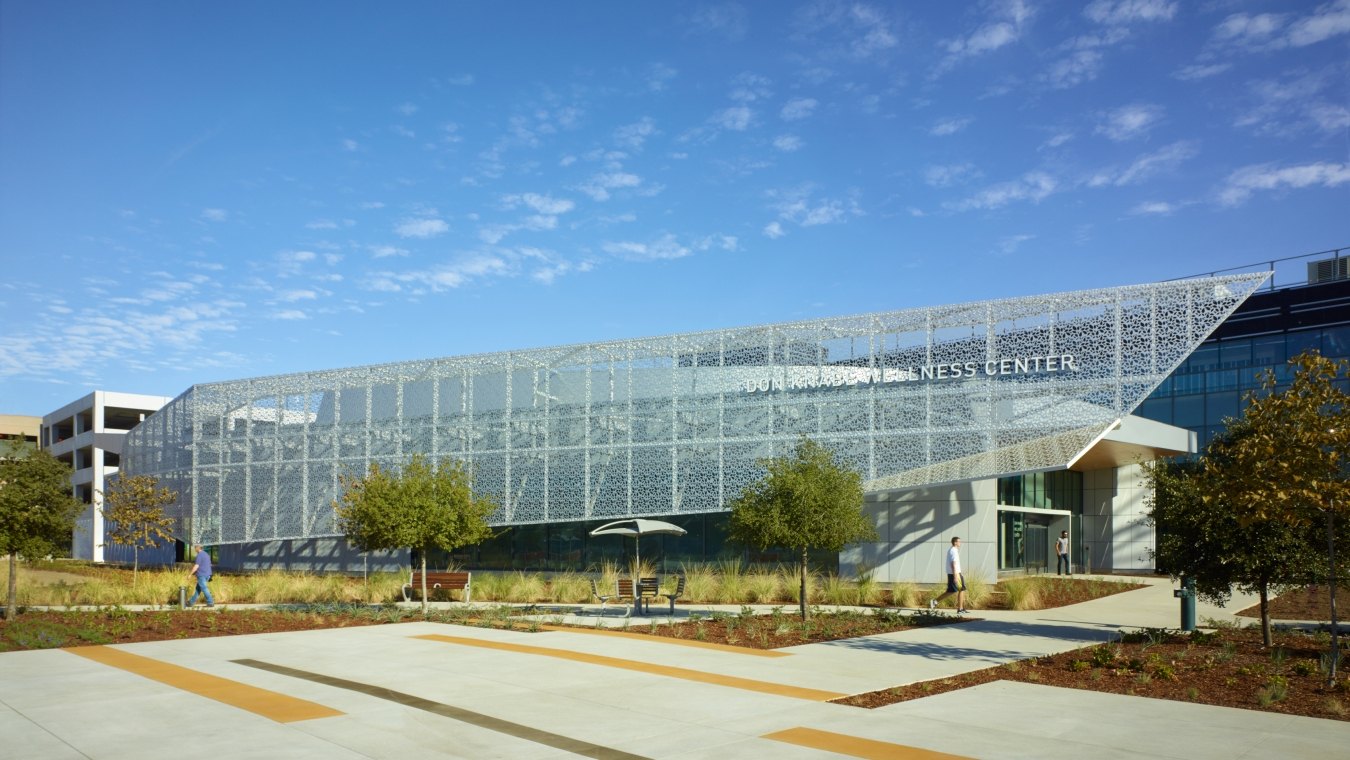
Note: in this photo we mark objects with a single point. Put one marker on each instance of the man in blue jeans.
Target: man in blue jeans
(202, 569)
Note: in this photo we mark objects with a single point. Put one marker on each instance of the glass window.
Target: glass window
(1268, 350)
(1336, 341)
(1235, 353)
(1219, 406)
(1159, 409)
(1206, 357)
(1185, 384)
(1188, 411)
(1298, 342)
(1223, 380)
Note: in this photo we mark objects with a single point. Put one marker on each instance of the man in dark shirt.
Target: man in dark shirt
(202, 569)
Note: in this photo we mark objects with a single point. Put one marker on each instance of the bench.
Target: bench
(676, 594)
(437, 580)
(619, 593)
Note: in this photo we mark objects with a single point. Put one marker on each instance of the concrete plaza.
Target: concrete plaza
(423, 690)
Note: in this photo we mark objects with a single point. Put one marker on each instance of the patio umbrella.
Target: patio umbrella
(636, 528)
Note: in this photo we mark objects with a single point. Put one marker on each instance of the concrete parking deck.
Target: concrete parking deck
(418, 690)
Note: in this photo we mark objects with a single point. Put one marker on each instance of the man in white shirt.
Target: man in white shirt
(956, 581)
(1062, 566)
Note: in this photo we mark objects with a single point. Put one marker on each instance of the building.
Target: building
(1002, 421)
(19, 429)
(88, 434)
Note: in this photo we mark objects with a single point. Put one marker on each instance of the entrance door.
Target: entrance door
(1023, 541)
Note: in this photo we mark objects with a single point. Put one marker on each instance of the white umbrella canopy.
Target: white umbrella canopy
(636, 528)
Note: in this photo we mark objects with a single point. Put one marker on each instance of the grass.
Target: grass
(726, 582)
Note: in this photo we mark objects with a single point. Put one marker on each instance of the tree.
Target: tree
(135, 508)
(422, 507)
(37, 511)
(1292, 468)
(804, 501)
(1200, 540)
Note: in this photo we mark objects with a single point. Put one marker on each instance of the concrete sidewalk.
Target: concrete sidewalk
(417, 690)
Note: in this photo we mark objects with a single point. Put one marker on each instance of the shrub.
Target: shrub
(763, 588)
(1023, 593)
(905, 594)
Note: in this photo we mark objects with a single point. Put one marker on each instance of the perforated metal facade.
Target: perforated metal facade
(675, 424)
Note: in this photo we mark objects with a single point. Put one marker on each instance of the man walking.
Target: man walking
(956, 581)
(201, 568)
(1062, 566)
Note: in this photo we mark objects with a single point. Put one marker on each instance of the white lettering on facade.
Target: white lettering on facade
(839, 377)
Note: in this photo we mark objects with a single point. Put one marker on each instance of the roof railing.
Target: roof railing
(1285, 274)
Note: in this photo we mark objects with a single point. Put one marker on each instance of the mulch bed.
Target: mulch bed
(784, 628)
(39, 629)
(1309, 603)
(1229, 668)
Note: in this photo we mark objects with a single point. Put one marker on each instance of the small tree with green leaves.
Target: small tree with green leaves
(1200, 540)
(804, 501)
(37, 511)
(422, 506)
(1294, 466)
(134, 507)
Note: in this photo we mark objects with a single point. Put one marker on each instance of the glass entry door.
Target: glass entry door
(1023, 541)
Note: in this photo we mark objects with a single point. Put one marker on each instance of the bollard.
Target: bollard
(182, 597)
(1187, 596)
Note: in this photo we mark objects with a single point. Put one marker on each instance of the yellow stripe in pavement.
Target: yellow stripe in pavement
(856, 746)
(731, 648)
(269, 704)
(764, 687)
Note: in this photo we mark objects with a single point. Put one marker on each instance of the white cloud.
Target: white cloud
(599, 185)
(850, 30)
(727, 20)
(1129, 11)
(1296, 103)
(1198, 71)
(1274, 31)
(1130, 122)
(736, 118)
(460, 80)
(797, 205)
(372, 205)
(1153, 208)
(949, 127)
(322, 224)
(632, 136)
(787, 143)
(543, 204)
(664, 247)
(350, 145)
(1244, 182)
(774, 230)
(1032, 186)
(659, 76)
(385, 251)
(797, 109)
(1007, 21)
(1011, 243)
(1162, 161)
(1056, 140)
(748, 88)
(407, 109)
(724, 242)
(421, 228)
(948, 175)
(215, 214)
(1082, 66)
(292, 296)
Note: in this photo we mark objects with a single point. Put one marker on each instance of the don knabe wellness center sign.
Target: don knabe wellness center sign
(805, 378)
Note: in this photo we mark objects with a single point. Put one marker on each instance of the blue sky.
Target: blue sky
(192, 191)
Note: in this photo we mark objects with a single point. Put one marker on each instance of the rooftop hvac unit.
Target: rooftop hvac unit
(1328, 270)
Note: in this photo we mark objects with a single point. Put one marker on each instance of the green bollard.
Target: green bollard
(1187, 596)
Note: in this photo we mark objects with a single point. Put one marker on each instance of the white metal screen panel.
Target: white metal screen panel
(676, 424)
